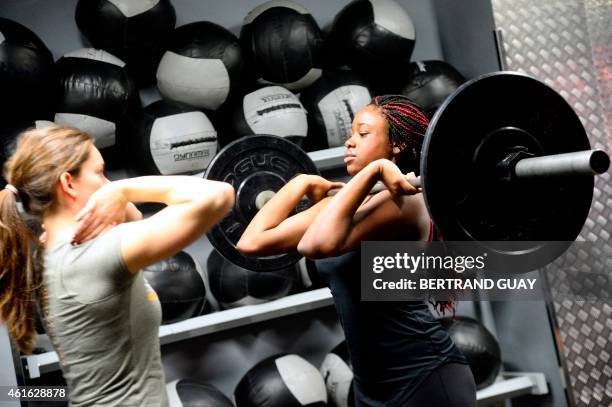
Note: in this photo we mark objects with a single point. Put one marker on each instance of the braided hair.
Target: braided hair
(407, 126)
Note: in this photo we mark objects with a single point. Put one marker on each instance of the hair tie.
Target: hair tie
(12, 189)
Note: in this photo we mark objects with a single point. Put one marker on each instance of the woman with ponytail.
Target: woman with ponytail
(400, 353)
(101, 316)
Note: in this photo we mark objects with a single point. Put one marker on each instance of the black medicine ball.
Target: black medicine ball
(192, 393)
(171, 138)
(284, 44)
(135, 31)
(96, 95)
(372, 36)
(337, 371)
(332, 103)
(26, 75)
(9, 137)
(179, 287)
(234, 286)
(479, 347)
(281, 380)
(429, 83)
(202, 67)
(309, 275)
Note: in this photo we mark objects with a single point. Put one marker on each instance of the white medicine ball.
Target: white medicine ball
(172, 138)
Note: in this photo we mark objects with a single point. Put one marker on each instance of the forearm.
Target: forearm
(278, 208)
(332, 226)
(170, 190)
(132, 213)
(272, 230)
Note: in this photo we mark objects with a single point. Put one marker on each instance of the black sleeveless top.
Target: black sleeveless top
(393, 345)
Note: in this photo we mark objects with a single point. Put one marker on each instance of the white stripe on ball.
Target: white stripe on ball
(131, 8)
(391, 16)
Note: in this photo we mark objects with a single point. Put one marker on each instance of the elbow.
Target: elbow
(226, 197)
(316, 249)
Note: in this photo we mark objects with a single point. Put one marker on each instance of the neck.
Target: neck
(59, 225)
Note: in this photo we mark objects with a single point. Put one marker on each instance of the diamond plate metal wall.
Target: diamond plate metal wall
(568, 45)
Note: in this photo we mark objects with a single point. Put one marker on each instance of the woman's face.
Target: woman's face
(91, 176)
(368, 141)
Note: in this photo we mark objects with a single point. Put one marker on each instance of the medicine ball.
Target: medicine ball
(191, 393)
(271, 110)
(134, 31)
(332, 103)
(479, 347)
(281, 380)
(26, 75)
(372, 36)
(429, 83)
(179, 286)
(96, 95)
(234, 286)
(172, 138)
(9, 137)
(284, 44)
(309, 275)
(202, 67)
(337, 371)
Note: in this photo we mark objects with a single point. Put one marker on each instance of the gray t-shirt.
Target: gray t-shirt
(104, 324)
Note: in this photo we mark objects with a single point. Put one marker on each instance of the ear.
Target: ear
(396, 150)
(66, 184)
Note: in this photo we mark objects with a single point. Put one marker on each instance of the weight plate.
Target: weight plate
(254, 164)
(470, 133)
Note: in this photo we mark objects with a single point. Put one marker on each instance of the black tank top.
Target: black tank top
(393, 345)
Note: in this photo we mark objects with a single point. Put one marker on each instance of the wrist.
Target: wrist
(117, 190)
(376, 167)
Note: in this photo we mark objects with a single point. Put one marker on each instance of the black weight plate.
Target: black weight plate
(253, 164)
(469, 133)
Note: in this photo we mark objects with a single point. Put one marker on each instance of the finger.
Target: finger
(80, 237)
(84, 223)
(83, 212)
(94, 233)
(409, 189)
(86, 228)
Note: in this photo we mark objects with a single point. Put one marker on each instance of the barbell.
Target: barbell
(519, 148)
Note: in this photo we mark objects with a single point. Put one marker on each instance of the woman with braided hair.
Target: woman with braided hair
(401, 355)
(101, 316)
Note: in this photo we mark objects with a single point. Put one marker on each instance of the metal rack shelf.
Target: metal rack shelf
(35, 365)
(512, 385)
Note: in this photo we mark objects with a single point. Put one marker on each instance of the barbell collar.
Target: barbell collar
(589, 162)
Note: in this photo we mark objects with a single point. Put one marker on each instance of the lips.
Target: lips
(349, 157)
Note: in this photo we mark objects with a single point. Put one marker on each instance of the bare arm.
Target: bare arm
(343, 224)
(194, 206)
(272, 230)
(132, 213)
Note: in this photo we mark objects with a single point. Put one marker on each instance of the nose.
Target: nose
(349, 141)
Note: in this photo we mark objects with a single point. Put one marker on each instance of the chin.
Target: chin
(353, 169)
